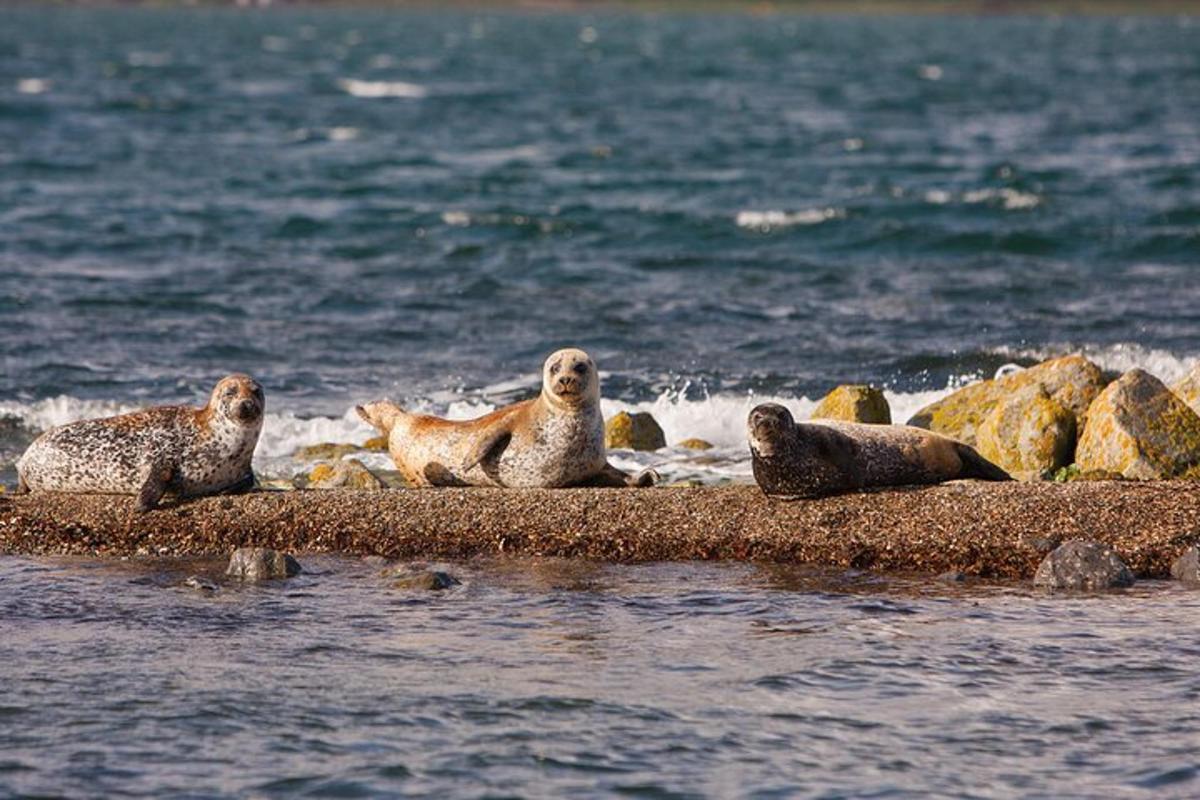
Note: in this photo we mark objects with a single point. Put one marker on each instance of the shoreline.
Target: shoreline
(986, 530)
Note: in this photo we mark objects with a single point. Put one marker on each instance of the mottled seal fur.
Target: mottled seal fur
(554, 440)
(802, 460)
(178, 449)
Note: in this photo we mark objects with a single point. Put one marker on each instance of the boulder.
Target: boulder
(377, 444)
(261, 564)
(695, 444)
(348, 474)
(855, 403)
(1071, 381)
(1027, 434)
(1186, 568)
(1137, 427)
(640, 431)
(1083, 565)
(325, 452)
(1187, 388)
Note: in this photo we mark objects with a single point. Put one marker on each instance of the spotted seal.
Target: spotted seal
(552, 441)
(178, 449)
(803, 460)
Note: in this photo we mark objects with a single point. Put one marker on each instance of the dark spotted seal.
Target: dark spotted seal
(552, 441)
(796, 460)
(179, 449)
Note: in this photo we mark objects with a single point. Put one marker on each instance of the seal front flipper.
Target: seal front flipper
(154, 486)
(976, 466)
(490, 444)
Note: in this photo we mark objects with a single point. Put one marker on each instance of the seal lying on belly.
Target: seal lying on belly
(179, 449)
(552, 441)
(798, 460)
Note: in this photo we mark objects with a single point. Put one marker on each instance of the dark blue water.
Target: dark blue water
(346, 203)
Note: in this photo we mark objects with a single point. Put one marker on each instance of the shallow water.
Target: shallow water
(721, 208)
(550, 678)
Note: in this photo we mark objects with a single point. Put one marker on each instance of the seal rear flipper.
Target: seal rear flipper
(613, 478)
(153, 487)
(976, 466)
(244, 484)
(381, 415)
(22, 486)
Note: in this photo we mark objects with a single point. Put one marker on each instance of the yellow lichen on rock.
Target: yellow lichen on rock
(1187, 388)
(1071, 381)
(1137, 427)
(855, 403)
(378, 444)
(348, 474)
(695, 444)
(640, 431)
(1028, 433)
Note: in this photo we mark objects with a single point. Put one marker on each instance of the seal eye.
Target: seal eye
(555, 367)
(580, 369)
(231, 392)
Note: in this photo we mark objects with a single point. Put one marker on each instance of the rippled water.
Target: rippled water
(547, 678)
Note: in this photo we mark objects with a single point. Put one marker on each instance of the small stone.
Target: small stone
(695, 444)
(276, 485)
(378, 444)
(638, 431)
(952, 576)
(348, 474)
(1186, 568)
(325, 452)
(855, 403)
(375, 561)
(200, 584)
(1083, 565)
(1137, 427)
(427, 580)
(261, 564)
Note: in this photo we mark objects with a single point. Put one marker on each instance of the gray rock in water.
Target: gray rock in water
(261, 564)
(200, 584)
(1084, 565)
(1186, 568)
(953, 576)
(427, 580)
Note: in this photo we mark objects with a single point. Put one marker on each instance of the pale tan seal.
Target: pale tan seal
(802, 460)
(179, 449)
(554, 440)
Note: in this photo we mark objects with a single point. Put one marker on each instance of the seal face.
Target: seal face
(803, 460)
(178, 449)
(551, 441)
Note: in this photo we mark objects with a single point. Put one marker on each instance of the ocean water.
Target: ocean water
(720, 208)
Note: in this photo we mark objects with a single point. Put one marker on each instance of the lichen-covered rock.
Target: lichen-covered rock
(1187, 388)
(1140, 429)
(695, 444)
(1028, 433)
(855, 403)
(325, 452)
(1071, 381)
(348, 474)
(377, 444)
(1186, 568)
(1083, 565)
(640, 431)
(261, 564)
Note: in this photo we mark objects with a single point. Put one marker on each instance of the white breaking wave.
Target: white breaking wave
(1168, 367)
(381, 89)
(769, 220)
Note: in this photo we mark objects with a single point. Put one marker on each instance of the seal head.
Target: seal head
(237, 399)
(570, 380)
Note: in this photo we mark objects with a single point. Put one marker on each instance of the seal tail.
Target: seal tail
(381, 415)
(976, 466)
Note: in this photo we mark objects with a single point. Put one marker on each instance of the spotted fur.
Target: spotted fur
(177, 449)
(553, 440)
(814, 459)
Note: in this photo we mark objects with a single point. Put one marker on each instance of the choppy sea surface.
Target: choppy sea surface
(722, 209)
(570, 679)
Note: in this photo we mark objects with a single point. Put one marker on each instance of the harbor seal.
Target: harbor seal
(805, 460)
(552, 441)
(179, 449)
